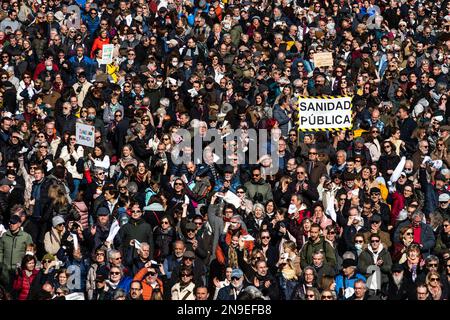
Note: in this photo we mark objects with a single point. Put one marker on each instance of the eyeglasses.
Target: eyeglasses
(100, 173)
(99, 254)
(47, 261)
(185, 275)
(435, 279)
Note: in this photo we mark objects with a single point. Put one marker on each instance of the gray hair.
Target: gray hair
(343, 153)
(259, 205)
(119, 294)
(112, 253)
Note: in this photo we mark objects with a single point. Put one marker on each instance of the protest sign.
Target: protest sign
(323, 59)
(107, 53)
(324, 113)
(85, 135)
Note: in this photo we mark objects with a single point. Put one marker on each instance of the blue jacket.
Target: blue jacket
(342, 283)
(283, 119)
(86, 63)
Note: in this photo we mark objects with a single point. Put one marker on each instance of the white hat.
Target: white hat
(57, 220)
(444, 197)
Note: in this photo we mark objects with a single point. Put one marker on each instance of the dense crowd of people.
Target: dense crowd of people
(355, 214)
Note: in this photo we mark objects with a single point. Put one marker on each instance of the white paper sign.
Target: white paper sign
(107, 53)
(85, 135)
(75, 296)
(230, 197)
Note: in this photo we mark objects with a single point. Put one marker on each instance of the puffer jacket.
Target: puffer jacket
(22, 284)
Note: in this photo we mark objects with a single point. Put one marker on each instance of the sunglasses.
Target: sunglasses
(184, 275)
(359, 241)
(310, 295)
(136, 211)
(435, 279)
(114, 273)
(235, 278)
(178, 184)
(327, 297)
(164, 222)
(432, 265)
(266, 237)
(151, 273)
(409, 233)
(374, 241)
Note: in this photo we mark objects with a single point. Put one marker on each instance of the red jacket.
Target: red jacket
(398, 203)
(22, 283)
(98, 44)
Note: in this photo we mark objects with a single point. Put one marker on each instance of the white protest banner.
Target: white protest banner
(107, 53)
(75, 296)
(324, 113)
(323, 59)
(230, 197)
(85, 135)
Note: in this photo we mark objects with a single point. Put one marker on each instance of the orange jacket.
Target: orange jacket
(98, 44)
(220, 255)
(147, 289)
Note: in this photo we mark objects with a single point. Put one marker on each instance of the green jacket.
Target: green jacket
(309, 248)
(12, 250)
(366, 259)
(262, 187)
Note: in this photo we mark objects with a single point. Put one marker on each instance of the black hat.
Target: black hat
(100, 278)
(365, 50)
(375, 218)
(440, 176)
(228, 169)
(375, 190)
(348, 263)
(14, 219)
(397, 268)
(246, 80)
(348, 176)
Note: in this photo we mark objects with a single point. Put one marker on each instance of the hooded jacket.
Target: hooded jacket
(261, 187)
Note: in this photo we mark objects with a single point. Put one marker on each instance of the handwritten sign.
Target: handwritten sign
(85, 135)
(107, 53)
(323, 59)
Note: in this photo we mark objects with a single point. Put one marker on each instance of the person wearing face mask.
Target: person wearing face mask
(375, 255)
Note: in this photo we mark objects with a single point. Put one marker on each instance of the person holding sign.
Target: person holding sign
(99, 42)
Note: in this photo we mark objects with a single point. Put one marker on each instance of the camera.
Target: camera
(258, 198)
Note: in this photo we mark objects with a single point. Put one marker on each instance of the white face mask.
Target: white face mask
(174, 63)
(159, 83)
(358, 246)
(48, 68)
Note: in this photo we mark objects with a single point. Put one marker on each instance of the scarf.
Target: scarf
(232, 257)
